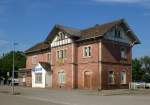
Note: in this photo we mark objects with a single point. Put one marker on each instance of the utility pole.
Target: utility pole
(13, 89)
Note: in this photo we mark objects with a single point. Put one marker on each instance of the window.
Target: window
(48, 57)
(28, 73)
(87, 51)
(61, 77)
(111, 77)
(34, 59)
(123, 77)
(38, 78)
(61, 54)
(123, 53)
(117, 33)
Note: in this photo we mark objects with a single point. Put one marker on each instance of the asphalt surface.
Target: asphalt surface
(31, 96)
(7, 99)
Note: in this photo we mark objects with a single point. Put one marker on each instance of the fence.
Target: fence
(137, 85)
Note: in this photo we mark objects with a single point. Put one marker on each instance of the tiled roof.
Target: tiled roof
(98, 30)
(70, 30)
(92, 32)
(83, 34)
(38, 47)
(46, 65)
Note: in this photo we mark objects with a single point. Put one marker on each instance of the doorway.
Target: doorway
(87, 80)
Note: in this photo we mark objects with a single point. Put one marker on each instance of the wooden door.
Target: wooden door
(87, 80)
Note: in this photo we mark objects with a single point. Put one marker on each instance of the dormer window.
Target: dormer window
(117, 33)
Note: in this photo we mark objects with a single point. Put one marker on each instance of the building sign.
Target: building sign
(37, 69)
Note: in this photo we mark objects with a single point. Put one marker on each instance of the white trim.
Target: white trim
(51, 58)
(114, 77)
(59, 49)
(100, 64)
(48, 60)
(125, 79)
(83, 51)
(73, 70)
(34, 59)
(61, 71)
(61, 42)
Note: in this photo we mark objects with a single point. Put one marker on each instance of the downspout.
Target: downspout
(100, 66)
(73, 65)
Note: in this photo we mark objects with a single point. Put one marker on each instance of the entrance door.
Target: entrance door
(87, 80)
(48, 82)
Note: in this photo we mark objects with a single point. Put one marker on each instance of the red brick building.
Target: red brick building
(95, 58)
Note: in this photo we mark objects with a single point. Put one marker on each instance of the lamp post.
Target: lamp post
(14, 44)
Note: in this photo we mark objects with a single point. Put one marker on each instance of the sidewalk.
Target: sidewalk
(81, 97)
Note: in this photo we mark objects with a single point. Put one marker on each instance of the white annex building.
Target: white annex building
(41, 75)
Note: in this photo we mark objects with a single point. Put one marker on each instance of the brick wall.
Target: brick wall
(29, 65)
(75, 65)
(65, 65)
(40, 57)
(111, 61)
(89, 64)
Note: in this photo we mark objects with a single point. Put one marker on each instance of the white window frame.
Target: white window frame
(113, 81)
(89, 51)
(34, 59)
(124, 80)
(123, 53)
(61, 77)
(38, 78)
(48, 57)
(61, 53)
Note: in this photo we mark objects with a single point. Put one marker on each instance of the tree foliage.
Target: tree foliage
(137, 72)
(6, 62)
(141, 69)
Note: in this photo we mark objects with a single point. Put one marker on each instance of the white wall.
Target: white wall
(62, 42)
(48, 79)
(39, 85)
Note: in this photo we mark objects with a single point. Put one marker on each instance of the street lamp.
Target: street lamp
(14, 44)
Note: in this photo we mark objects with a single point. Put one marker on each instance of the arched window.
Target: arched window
(111, 77)
(123, 77)
(61, 77)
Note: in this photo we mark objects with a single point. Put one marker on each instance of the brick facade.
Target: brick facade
(88, 64)
(64, 65)
(111, 61)
(91, 72)
(41, 57)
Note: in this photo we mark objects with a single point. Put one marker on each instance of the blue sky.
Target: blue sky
(28, 22)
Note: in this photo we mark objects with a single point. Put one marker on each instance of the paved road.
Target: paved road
(6, 99)
(31, 96)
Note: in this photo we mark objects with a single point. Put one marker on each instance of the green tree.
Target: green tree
(137, 71)
(146, 63)
(6, 62)
(146, 78)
